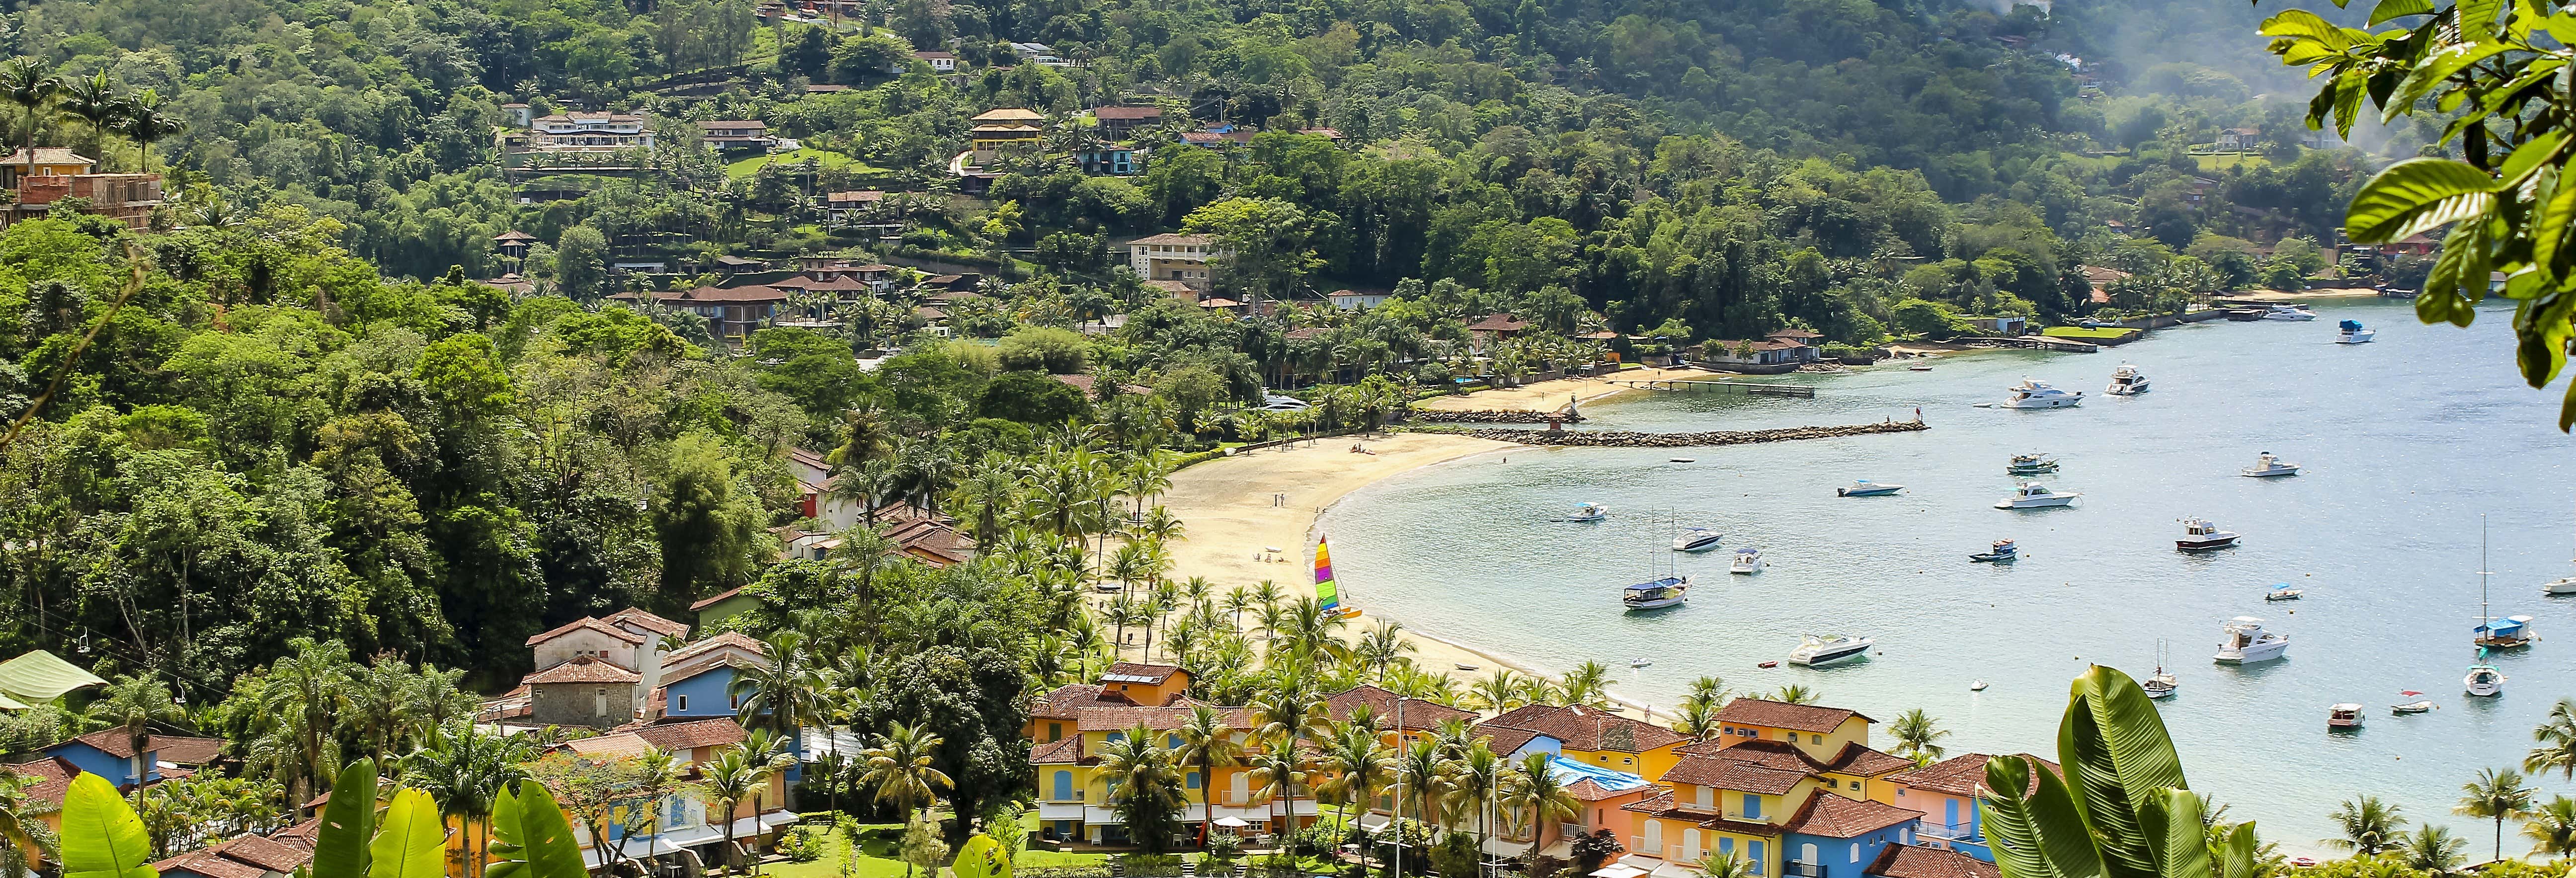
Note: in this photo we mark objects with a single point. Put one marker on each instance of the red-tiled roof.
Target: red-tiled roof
(1832, 816)
(1134, 672)
(1963, 775)
(1783, 715)
(1586, 790)
(754, 293)
(637, 618)
(1108, 113)
(173, 749)
(1173, 238)
(54, 778)
(1069, 700)
(583, 669)
(1727, 774)
(717, 598)
(734, 639)
(1113, 719)
(1917, 861)
(1583, 728)
(1497, 323)
(1863, 761)
(685, 736)
(1064, 752)
(1418, 714)
(209, 864)
(1505, 739)
(1780, 755)
(590, 623)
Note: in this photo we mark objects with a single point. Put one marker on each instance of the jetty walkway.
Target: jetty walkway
(1623, 439)
(1756, 388)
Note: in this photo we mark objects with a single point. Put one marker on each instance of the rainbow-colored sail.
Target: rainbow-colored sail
(1325, 592)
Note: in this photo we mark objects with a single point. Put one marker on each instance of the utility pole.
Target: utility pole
(1397, 871)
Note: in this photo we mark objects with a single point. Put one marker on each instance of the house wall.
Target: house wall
(702, 696)
(98, 762)
(1153, 695)
(585, 641)
(1840, 857)
(579, 704)
(1821, 746)
(1949, 821)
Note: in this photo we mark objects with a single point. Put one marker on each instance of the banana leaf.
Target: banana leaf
(348, 824)
(2117, 755)
(2038, 834)
(531, 838)
(413, 840)
(2237, 851)
(101, 837)
(2173, 828)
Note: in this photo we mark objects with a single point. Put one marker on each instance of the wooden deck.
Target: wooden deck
(1756, 388)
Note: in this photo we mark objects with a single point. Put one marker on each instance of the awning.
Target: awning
(1231, 822)
(693, 836)
(1101, 816)
(1373, 822)
(1616, 870)
(1059, 810)
(1675, 870)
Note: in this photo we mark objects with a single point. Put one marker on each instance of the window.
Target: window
(680, 703)
(1193, 781)
(1752, 806)
(1855, 852)
(1055, 732)
(1855, 785)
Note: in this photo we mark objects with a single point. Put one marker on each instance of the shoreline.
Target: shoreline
(1532, 397)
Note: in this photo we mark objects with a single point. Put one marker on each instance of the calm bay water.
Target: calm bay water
(2406, 441)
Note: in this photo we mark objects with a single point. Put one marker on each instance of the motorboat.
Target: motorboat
(2127, 381)
(2033, 495)
(1746, 561)
(1641, 663)
(1589, 512)
(2344, 716)
(1978, 686)
(2289, 312)
(1867, 488)
(2563, 585)
(2160, 684)
(2412, 707)
(2351, 332)
(2267, 465)
(2004, 551)
(2484, 680)
(1823, 649)
(1918, 368)
(2247, 643)
(2031, 394)
(1669, 591)
(1697, 539)
(2505, 633)
(2031, 464)
(2281, 591)
(2198, 535)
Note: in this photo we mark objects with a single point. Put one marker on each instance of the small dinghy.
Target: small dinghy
(2282, 592)
(2412, 707)
(1769, 664)
(1979, 686)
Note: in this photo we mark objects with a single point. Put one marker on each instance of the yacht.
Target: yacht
(1669, 591)
(2031, 394)
(1589, 512)
(2127, 381)
(1867, 488)
(2344, 716)
(1746, 561)
(2198, 535)
(2031, 464)
(2289, 312)
(2004, 551)
(2484, 680)
(2160, 684)
(2247, 643)
(2350, 332)
(1824, 649)
(2267, 465)
(2563, 585)
(1697, 539)
(2033, 495)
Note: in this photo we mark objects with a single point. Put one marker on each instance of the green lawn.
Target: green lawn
(830, 161)
(2082, 334)
(876, 857)
(2223, 161)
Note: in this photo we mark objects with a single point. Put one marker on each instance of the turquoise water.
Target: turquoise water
(2406, 442)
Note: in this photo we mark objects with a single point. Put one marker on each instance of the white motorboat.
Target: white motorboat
(2564, 585)
(2160, 684)
(2127, 381)
(1824, 649)
(2344, 716)
(2247, 643)
(1697, 539)
(2411, 707)
(2031, 394)
(1669, 591)
(2351, 332)
(2289, 312)
(1978, 686)
(2267, 465)
(2004, 551)
(1589, 512)
(2198, 535)
(1867, 488)
(2484, 680)
(1746, 561)
(2033, 495)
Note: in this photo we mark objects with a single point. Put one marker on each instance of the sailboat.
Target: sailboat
(1326, 592)
(2492, 632)
(2484, 679)
(2161, 684)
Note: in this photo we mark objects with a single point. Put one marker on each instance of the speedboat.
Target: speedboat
(2350, 332)
(2031, 394)
(2484, 680)
(2559, 586)
(2267, 465)
(2033, 495)
(1746, 561)
(2127, 381)
(2031, 464)
(2344, 716)
(2289, 312)
(1589, 512)
(2003, 551)
(1697, 539)
(1867, 488)
(2411, 707)
(1825, 649)
(1978, 686)
(2281, 591)
(1669, 591)
(2505, 633)
(2246, 643)
(2198, 535)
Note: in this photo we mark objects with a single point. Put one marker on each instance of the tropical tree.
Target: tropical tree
(1915, 733)
(24, 842)
(31, 85)
(1796, 693)
(145, 122)
(95, 102)
(2433, 849)
(1588, 685)
(1206, 742)
(2557, 737)
(898, 768)
(1725, 865)
(2499, 795)
(2369, 826)
(1418, 769)
(1359, 763)
(1535, 789)
(1144, 787)
(1308, 633)
(301, 699)
(2552, 828)
(133, 705)
(1472, 784)
(784, 691)
(2121, 809)
(1499, 692)
(738, 773)
(466, 772)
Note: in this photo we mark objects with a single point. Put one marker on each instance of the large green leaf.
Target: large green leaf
(2237, 852)
(2388, 9)
(412, 843)
(101, 837)
(348, 824)
(2038, 834)
(531, 838)
(2116, 754)
(2415, 195)
(2172, 819)
(983, 857)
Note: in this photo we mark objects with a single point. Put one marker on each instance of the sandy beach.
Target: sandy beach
(1552, 395)
(2303, 295)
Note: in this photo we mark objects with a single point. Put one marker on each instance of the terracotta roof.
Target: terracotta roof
(1131, 113)
(583, 669)
(1783, 715)
(1863, 761)
(1963, 775)
(1583, 728)
(1728, 774)
(1418, 714)
(735, 639)
(173, 749)
(1113, 719)
(1588, 791)
(862, 196)
(1069, 700)
(1833, 816)
(1064, 752)
(1009, 114)
(302, 833)
(1781, 755)
(685, 736)
(274, 855)
(1132, 672)
(590, 623)
(621, 744)
(209, 864)
(1505, 739)
(48, 155)
(249, 856)
(1657, 801)
(513, 235)
(647, 621)
(726, 660)
(717, 598)
(1498, 323)
(1917, 861)
(1173, 238)
(54, 778)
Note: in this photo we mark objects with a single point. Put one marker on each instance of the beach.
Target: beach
(1553, 394)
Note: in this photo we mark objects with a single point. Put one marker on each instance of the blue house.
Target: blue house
(1514, 744)
(109, 753)
(1116, 160)
(1836, 837)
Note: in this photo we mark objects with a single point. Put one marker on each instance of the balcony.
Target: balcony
(1795, 869)
(1961, 831)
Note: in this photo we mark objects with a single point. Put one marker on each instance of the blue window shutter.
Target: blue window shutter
(1194, 780)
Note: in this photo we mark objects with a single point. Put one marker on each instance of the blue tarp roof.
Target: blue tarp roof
(1567, 771)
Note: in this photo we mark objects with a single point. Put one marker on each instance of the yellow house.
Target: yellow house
(50, 161)
(1147, 685)
(1596, 737)
(1854, 772)
(1125, 684)
(1820, 732)
(1073, 796)
(1723, 806)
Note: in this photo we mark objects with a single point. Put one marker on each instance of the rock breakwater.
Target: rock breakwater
(1622, 439)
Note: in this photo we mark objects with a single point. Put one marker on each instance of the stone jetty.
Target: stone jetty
(1619, 439)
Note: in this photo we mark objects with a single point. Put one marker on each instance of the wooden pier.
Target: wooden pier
(1756, 388)
(2030, 342)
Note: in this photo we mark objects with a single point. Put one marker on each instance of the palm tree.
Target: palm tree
(1725, 865)
(738, 772)
(1500, 692)
(307, 693)
(1290, 710)
(2498, 794)
(94, 101)
(1309, 633)
(144, 123)
(2433, 849)
(2557, 736)
(22, 846)
(1144, 788)
(2552, 828)
(1795, 694)
(1278, 770)
(1266, 593)
(1237, 599)
(2369, 826)
(1588, 685)
(1536, 788)
(1915, 733)
(1417, 771)
(783, 692)
(31, 85)
(898, 769)
(465, 771)
(1206, 742)
(1474, 779)
(1381, 647)
(1360, 762)
(1697, 719)
(134, 705)
(871, 484)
